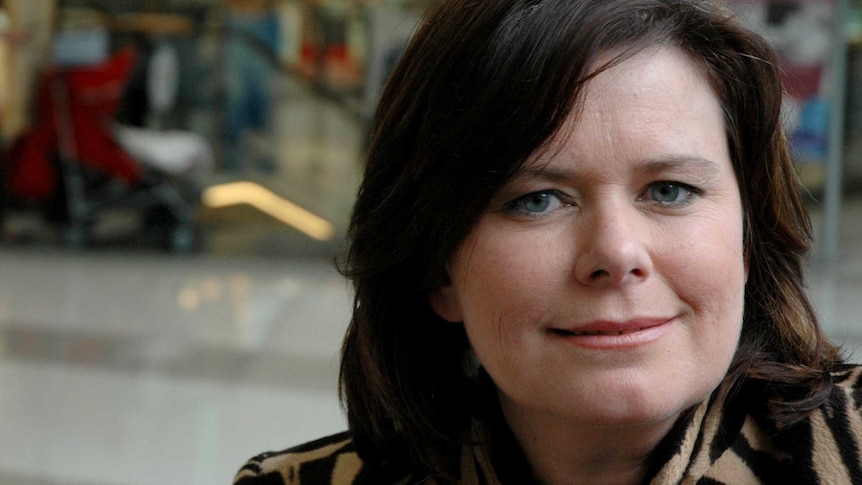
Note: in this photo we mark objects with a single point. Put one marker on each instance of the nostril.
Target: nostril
(599, 273)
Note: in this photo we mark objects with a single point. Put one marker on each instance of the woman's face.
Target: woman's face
(604, 284)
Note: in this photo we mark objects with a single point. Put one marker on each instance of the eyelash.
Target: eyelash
(693, 193)
(516, 206)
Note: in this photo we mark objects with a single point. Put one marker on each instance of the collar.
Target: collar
(699, 437)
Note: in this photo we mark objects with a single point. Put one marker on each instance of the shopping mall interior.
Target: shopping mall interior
(169, 305)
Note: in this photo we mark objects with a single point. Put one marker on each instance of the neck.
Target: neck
(562, 453)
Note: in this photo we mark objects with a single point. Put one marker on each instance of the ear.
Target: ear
(445, 303)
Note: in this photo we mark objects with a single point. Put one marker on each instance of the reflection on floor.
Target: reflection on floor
(118, 369)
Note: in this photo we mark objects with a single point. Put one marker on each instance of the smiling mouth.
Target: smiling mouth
(619, 335)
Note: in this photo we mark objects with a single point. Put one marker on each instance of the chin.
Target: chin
(642, 404)
(639, 415)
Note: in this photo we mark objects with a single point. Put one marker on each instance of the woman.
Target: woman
(577, 255)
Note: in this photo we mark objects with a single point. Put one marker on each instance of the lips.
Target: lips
(613, 327)
(598, 332)
(610, 334)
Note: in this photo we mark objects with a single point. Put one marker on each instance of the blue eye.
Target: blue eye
(670, 193)
(538, 202)
(534, 204)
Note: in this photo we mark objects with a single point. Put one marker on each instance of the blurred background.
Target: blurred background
(176, 178)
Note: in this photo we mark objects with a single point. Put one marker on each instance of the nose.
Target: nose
(613, 248)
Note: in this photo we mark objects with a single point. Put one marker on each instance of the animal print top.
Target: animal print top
(725, 440)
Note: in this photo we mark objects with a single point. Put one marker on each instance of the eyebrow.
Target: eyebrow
(647, 166)
(678, 161)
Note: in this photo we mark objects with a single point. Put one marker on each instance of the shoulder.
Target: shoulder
(848, 379)
(843, 408)
(830, 440)
(328, 461)
(825, 446)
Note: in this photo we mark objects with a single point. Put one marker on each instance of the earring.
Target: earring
(471, 364)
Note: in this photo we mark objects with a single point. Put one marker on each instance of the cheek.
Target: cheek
(711, 281)
(706, 268)
(502, 296)
(506, 284)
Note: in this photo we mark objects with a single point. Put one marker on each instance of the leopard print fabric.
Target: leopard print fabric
(721, 442)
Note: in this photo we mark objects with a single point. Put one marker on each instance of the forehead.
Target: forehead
(654, 105)
(651, 80)
(660, 90)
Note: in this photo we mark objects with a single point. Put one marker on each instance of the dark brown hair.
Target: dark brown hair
(484, 84)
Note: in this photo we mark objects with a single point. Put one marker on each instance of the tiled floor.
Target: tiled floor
(140, 368)
(153, 370)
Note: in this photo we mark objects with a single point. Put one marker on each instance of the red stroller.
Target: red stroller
(71, 165)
